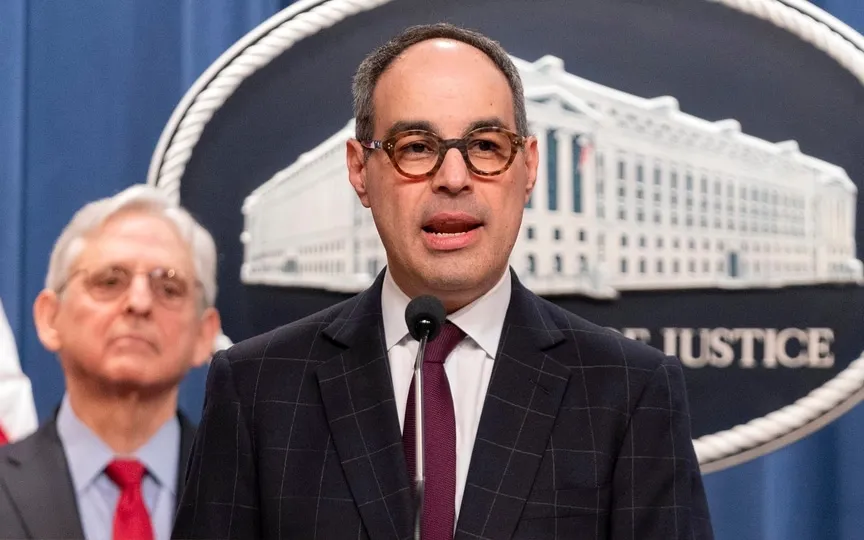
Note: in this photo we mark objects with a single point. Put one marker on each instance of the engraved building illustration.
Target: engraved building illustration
(632, 193)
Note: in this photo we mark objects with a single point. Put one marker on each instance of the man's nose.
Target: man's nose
(140, 295)
(453, 175)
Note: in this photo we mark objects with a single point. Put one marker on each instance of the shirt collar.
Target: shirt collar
(87, 455)
(482, 320)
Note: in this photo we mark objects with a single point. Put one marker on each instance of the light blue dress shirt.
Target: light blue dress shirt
(98, 495)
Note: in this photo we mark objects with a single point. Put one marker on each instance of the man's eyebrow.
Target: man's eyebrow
(493, 121)
(425, 125)
(408, 125)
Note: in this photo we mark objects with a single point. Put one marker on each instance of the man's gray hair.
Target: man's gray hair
(374, 65)
(143, 198)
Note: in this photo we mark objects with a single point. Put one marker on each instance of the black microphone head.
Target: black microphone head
(424, 317)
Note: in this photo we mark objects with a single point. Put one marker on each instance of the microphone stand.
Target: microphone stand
(419, 472)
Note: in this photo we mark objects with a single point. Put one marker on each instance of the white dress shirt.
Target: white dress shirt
(468, 367)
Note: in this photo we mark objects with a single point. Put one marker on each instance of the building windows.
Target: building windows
(582, 236)
(657, 176)
(583, 264)
(532, 265)
(556, 233)
(623, 240)
(372, 266)
(622, 170)
(676, 267)
(659, 242)
(529, 232)
(552, 168)
(659, 266)
(642, 266)
(622, 214)
(559, 264)
(623, 265)
(577, 176)
(642, 241)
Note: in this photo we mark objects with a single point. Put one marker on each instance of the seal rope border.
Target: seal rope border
(281, 31)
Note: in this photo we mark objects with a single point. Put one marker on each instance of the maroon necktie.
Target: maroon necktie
(439, 499)
(131, 519)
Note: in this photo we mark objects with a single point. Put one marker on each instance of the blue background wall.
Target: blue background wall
(85, 90)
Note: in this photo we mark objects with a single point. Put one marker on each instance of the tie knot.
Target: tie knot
(438, 349)
(125, 472)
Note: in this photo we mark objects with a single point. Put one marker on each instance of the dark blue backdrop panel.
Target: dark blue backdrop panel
(85, 89)
(13, 31)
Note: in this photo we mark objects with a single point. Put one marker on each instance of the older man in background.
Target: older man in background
(128, 309)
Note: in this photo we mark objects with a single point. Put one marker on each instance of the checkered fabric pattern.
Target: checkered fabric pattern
(584, 435)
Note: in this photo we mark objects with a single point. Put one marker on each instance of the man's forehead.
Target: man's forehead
(137, 233)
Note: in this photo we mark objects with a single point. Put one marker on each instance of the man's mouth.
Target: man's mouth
(451, 225)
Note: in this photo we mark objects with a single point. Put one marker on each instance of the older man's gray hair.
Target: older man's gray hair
(140, 198)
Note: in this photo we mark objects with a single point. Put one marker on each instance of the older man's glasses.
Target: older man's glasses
(487, 151)
(109, 283)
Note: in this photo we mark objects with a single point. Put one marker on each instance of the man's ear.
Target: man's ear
(211, 325)
(45, 309)
(356, 159)
(532, 159)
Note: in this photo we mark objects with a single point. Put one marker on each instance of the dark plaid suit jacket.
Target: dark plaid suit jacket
(584, 434)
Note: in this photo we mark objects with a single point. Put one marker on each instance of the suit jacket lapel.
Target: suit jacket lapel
(187, 437)
(524, 394)
(357, 394)
(37, 472)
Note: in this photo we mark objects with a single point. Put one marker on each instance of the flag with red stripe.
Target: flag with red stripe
(17, 409)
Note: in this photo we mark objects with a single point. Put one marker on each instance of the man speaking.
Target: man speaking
(535, 423)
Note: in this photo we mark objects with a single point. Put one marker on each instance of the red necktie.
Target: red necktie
(439, 499)
(131, 519)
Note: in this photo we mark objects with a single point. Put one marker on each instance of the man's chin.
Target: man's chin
(128, 375)
(452, 278)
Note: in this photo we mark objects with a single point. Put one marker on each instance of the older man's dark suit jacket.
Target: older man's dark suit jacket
(37, 498)
(584, 434)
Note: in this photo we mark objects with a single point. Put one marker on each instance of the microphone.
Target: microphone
(424, 316)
